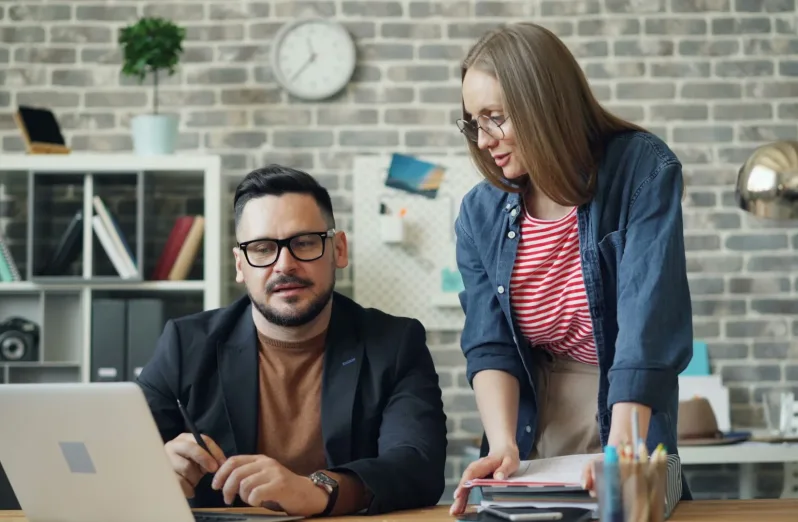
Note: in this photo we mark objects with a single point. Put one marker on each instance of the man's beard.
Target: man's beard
(297, 318)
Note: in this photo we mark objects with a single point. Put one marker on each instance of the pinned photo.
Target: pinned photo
(414, 176)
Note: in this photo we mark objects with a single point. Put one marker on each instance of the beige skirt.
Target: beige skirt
(567, 394)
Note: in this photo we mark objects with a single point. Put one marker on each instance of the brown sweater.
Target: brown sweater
(289, 424)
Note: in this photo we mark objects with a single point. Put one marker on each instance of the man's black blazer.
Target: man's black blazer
(381, 406)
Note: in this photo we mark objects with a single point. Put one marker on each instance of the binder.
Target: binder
(108, 334)
(144, 325)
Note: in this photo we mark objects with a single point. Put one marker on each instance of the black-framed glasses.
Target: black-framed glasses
(491, 125)
(309, 246)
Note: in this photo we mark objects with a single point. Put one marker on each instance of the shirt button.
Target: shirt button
(500, 289)
(507, 207)
(528, 429)
(514, 212)
(511, 234)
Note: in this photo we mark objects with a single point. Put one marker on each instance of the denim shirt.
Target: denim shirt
(633, 262)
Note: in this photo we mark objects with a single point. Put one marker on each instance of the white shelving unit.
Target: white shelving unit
(61, 305)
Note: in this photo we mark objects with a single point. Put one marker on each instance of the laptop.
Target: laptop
(92, 453)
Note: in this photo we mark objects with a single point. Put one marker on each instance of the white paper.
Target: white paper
(567, 469)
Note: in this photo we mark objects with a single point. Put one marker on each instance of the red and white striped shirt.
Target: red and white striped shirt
(547, 290)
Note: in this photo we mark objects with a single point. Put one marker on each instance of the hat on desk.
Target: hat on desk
(697, 425)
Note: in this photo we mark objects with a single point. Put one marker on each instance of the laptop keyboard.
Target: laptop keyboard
(219, 517)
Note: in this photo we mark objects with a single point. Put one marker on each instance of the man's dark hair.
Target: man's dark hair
(276, 180)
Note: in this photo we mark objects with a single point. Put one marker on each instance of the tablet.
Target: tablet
(522, 514)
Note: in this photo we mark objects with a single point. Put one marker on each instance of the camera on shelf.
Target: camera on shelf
(19, 340)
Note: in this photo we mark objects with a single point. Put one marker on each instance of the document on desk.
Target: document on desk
(556, 471)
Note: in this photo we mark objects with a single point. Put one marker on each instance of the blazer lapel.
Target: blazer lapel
(342, 359)
(237, 358)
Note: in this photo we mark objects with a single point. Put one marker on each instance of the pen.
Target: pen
(642, 451)
(611, 501)
(635, 431)
(193, 428)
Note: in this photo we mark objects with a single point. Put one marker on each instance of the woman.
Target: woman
(572, 254)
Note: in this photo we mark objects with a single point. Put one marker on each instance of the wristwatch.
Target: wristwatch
(330, 485)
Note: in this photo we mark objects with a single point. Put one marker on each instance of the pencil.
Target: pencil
(193, 428)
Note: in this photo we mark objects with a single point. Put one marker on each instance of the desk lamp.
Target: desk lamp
(767, 187)
(767, 183)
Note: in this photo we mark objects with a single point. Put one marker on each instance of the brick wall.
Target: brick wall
(712, 77)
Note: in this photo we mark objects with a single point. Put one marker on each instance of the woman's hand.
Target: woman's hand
(588, 478)
(620, 434)
(501, 464)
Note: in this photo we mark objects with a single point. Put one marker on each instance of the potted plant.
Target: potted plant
(152, 46)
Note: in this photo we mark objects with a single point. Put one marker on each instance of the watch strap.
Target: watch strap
(330, 502)
(323, 480)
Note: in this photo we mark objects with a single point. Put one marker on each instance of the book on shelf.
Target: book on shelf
(181, 249)
(113, 241)
(9, 272)
(67, 250)
(174, 263)
(107, 242)
(109, 234)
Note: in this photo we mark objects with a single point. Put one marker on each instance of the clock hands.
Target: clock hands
(310, 60)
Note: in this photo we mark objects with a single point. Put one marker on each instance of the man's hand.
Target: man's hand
(191, 462)
(261, 481)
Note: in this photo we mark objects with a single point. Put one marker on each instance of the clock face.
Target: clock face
(313, 59)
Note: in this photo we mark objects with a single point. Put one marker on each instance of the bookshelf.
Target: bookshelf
(116, 255)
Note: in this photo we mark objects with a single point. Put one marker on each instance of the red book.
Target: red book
(172, 247)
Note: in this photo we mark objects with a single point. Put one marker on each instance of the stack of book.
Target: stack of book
(113, 240)
(544, 483)
(180, 250)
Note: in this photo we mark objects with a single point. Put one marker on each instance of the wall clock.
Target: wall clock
(313, 58)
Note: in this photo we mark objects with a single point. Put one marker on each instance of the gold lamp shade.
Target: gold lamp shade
(767, 183)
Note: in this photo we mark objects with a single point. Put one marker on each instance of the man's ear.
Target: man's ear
(341, 250)
(238, 256)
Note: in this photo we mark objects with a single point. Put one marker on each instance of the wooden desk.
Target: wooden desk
(778, 510)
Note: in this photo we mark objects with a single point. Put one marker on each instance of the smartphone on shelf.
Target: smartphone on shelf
(522, 514)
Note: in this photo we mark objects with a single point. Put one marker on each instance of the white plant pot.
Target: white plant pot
(154, 134)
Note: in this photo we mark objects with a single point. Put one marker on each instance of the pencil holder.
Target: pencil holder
(636, 492)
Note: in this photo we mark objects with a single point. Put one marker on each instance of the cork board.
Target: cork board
(413, 276)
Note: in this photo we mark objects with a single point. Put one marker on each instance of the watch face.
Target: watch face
(321, 478)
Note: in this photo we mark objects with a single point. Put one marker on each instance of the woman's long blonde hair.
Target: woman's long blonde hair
(560, 128)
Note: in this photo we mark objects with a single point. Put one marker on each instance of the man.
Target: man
(308, 403)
